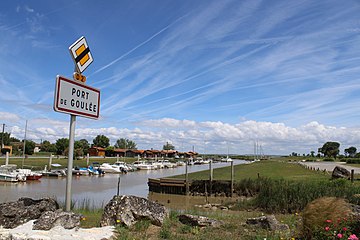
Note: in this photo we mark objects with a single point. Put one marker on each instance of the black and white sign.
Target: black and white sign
(76, 98)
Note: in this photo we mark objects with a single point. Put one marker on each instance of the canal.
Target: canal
(96, 191)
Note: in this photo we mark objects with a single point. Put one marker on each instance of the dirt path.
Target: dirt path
(329, 166)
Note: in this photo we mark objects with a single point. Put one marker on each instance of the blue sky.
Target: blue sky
(206, 73)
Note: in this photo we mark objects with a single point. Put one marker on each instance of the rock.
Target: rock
(126, 210)
(13, 214)
(48, 220)
(268, 222)
(199, 221)
(340, 172)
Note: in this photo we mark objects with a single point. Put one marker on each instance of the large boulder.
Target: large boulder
(268, 222)
(199, 221)
(13, 214)
(340, 172)
(127, 210)
(48, 220)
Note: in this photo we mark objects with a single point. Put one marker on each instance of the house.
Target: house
(169, 153)
(120, 152)
(97, 151)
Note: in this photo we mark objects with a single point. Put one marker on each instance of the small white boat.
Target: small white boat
(180, 163)
(30, 175)
(168, 164)
(142, 165)
(109, 168)
(8, 174)
(122, 166)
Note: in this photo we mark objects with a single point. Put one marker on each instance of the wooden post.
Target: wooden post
(211, 176)
(352, 175)
(50, 161)
(186, 179)
(87, 159)
(7, 158)
(232, 178)
(118, 186)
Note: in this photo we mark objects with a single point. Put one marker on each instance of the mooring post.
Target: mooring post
(118, 186)
(232, 178)
(186, 179)
(87, 159)
(50, 161)
(352, 175)
(7, 158)
(211, 176)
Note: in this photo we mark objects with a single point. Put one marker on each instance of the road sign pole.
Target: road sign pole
(70, 163)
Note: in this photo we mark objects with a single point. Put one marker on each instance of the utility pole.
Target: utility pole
(2, 136)
(22, 165)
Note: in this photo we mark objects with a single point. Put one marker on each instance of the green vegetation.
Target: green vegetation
(284, 188)
(124, 143)
(270, 169)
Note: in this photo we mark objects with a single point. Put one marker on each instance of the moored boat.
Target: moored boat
(8, 174)
(30, 175)
(142, 165)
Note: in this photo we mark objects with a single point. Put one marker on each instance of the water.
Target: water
(97, 190)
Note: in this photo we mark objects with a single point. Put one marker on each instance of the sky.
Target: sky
(216, 76)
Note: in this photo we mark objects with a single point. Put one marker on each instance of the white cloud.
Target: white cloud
(10, 117)
(28, 9)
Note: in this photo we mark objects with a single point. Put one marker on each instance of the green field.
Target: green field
(270, 168)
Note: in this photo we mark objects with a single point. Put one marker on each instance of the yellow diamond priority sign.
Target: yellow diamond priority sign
(81, 54)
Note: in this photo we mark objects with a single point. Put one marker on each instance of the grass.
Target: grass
(234, 227)
(270, 169)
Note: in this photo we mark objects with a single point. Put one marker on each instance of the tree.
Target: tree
(14, 139)
(29, 147)
(168, 146)
(48, 147)
(81, 146)
(312, 153)
(5, 137)
(109, 151)
(61, 144)
(351, 151)
(101, 141)
(125, 143)
(330, 149)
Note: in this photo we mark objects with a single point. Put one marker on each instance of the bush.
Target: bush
(353, 160)
(325, 218)
(292, 196)
(328, 160)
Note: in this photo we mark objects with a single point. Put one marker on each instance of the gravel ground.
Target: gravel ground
(25, 232)
(329, 166)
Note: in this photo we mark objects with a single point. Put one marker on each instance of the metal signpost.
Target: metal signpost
(77, 99)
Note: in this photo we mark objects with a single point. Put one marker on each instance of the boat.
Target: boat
(93, 170)
(8, 174)
(142, 165)
(109, 168)
(30, 175)
(124, 168)
(168, 164)
(80, 171)
(55, 172)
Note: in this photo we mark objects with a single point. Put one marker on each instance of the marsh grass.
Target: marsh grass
(286, 196)
(265, 169)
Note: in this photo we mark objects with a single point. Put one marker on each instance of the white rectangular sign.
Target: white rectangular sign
(76, 98)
